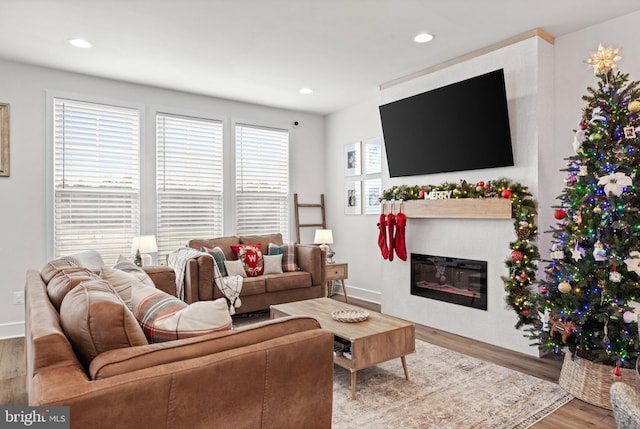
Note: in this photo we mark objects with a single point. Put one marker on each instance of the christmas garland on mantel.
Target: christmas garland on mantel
(522, 261)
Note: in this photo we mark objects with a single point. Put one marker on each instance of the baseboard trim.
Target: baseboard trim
(367, 295)
(12, 330)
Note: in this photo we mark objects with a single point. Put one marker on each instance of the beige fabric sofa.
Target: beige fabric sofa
(258, 293)
(278, 374)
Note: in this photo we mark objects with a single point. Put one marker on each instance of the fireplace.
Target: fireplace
(455, 280)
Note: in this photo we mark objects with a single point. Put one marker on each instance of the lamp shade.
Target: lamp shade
(323, 236)
(144, 243)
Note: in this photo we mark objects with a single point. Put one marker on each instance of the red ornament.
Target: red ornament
(560, 214)
(525, 312)
(516, 255)
(487, 186)
(583, 127)
(481, 183)
(506, 193)
(422, 193)
(617, 371)
(543, 290)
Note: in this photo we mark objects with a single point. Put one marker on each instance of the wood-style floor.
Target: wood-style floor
(575, 414)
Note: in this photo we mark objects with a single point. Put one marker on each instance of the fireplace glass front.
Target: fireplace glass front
(455, 280)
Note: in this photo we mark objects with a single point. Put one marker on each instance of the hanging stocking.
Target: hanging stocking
(382, 236)
(391, 223)
(399, 242)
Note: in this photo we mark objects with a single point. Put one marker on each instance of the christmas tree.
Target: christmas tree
(586, 302)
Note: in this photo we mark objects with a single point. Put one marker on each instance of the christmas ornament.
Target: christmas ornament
(579, 138)
(629, 132)
(595, 137)
(615, 276)
(564, 287)
(578, 252)
(599, 252)
(565, 329)
(583, 170)
(506, 193)
(615, 183)
(543, 290)
(516, 255)
(604, 59)
(557, 254)
(577, 218)
(560, 214)
(617, 372)
(523, 231)
(597, 209)
(633, 262)
(631, 316)
(634, 106)
(422, 193)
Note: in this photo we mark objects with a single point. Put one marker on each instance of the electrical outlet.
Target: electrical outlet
(18, 297)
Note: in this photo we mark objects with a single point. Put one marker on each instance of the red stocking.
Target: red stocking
(382, 237)
(399, 239)
(391, 223)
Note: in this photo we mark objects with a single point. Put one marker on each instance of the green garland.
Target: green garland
(522, 262)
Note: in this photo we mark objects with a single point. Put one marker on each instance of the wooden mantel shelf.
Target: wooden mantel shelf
(466, 208)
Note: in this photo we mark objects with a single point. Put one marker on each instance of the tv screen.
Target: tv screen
(462, 126)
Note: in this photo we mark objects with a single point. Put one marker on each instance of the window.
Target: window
(262, 180)
(96, 178)
(188, 179)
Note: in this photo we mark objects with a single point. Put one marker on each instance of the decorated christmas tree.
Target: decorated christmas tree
(586, 302)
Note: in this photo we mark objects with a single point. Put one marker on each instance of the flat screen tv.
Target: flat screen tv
(462, 126)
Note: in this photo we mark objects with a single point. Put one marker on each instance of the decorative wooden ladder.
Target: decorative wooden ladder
(299, 225)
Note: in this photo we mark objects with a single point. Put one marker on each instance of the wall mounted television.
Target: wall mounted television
(462, 126)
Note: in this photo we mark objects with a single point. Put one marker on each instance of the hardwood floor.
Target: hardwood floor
(575, 414)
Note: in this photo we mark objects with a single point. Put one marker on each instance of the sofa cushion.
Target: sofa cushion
(96, 320)
(262, 240)
(222, 242)
(122, 281)
(287, 281)
(288, 252)
(251, 257)
(164, 317)
(54, 266)
(272, 264)
(66, 279)
(253, 286)
(218, 256)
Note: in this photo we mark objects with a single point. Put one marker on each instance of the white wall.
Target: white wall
(22, 196)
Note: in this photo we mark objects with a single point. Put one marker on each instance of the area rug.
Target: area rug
(446, 390)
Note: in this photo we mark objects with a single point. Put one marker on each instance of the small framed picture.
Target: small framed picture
(371, 194)
(629, 132)
(4, 140)
(373, 156)
(353, 197)
(352, 159)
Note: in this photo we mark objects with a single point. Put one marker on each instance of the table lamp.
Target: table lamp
(324, 237)
(145, 244)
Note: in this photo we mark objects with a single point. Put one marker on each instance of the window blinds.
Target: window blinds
(262, 180)
(189, 180)
(96, 178)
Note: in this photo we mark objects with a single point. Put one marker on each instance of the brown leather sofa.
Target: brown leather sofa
(258, 293)
(277, 374)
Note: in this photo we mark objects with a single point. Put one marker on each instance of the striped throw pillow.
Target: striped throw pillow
(218, 256)
(288, 252)
(164, 317)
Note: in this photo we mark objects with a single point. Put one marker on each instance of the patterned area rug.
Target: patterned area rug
(446, 390)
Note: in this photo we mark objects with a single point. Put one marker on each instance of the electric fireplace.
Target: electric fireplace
(455, 280)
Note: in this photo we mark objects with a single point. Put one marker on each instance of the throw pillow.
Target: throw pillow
(60, 285)
(288, 252)
(235, 268)
(251, 257)
(273, 264)
(129, 267)
(218, 256)
(121, 281)
(164, 317)
(95, 320)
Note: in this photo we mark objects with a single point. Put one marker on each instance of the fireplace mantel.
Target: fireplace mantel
(467, 208)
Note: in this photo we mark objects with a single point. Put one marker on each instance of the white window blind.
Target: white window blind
(96, 178)
(262, 180)
(189, 180)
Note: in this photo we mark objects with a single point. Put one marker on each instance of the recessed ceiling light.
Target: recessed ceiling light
(306, 91)
(80, 43)
(423, 38)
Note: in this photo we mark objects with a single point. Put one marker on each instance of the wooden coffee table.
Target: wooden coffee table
(378, 339)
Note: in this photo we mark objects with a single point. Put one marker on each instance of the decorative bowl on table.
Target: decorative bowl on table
(350, 315)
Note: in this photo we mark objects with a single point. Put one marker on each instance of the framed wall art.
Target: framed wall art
(4, 140)
(353, 197)
(373, 156)
(371, 194)
(352, 159)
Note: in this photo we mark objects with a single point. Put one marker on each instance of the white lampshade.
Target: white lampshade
(145, 244)
(323, 236)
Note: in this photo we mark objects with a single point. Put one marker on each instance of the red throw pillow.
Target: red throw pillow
(251, 257)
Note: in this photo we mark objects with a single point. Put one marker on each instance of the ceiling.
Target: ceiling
(264, 51)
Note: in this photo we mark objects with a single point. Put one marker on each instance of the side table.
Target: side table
(337, 272)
